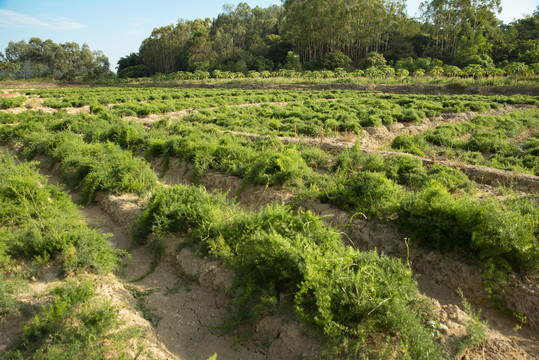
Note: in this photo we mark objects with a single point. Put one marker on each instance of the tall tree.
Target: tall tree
(449, 20)
(66, 60)
(354, 27)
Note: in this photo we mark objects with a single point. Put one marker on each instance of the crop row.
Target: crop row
(309, 113)
(162, 99)
(514, 69)
(273, 251)
(319, 117)
(509, 142)
(41, 227)
(40, 220)
(435, 203)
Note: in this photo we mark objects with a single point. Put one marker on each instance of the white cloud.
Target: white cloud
(12, 19)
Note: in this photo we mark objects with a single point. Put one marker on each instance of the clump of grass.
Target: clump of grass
(39, 221)
(370, 193)
(12, 102)
(476, 330)
(92, 167)
(9, 305)
(75, 324)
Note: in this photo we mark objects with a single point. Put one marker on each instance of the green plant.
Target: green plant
(11, 102)
(369, 193)
(40, 222)
(278, 251)
(476, 330)
(74, 325)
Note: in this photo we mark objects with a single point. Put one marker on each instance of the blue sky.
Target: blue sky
(117, 27)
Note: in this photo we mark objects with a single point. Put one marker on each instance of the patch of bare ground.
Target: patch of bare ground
(439, 275)
(9, 94)
(36, 103)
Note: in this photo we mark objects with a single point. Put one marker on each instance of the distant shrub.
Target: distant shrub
(11, 102)
(370, 193)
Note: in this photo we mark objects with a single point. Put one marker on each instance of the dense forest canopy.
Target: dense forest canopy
(319, 34)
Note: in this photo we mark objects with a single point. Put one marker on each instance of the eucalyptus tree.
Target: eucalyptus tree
(450, 20)
(15, 56)
(199, 46)
(354, 27)
(159, 50)
(242, 31)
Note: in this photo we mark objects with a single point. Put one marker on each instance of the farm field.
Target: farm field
(335, 222)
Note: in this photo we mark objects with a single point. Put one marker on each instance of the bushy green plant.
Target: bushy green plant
(410, 144)
(347, 295)
(74, 325)
(92, 167)
(11, 102)
(40, 221)
(369, 193)
(502, 235)
(278, 168)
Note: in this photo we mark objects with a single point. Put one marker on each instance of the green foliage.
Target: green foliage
(336, 59)
(475, 329)
(279, 251)
(9, 305)
(74, 325)
(11, 102)
(369, 193)
(69, 59)
(485, 140)
(373, 59)
(410, 144)
(278, 168)
(41, 221)
(500, 234)
(92, 167)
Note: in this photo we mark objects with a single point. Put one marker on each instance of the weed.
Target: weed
(74, 325)
(142, 305)
(475, 329)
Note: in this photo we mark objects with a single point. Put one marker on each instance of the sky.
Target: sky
(117, 27)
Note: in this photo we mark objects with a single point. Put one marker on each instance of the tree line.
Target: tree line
(301, 35)
(47, 58)
(320, 34)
